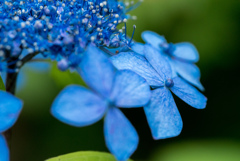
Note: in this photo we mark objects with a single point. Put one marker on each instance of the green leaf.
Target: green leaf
(2, 86)
(65, 78)
(85, 156)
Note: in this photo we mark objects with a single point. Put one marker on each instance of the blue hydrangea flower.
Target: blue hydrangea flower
(78, 106)
(10, 108)
(162, 114)
(61, 30)
(182, 56)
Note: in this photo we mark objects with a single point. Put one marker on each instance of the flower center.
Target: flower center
(169, 83)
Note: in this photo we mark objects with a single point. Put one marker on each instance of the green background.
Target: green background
(208, 135)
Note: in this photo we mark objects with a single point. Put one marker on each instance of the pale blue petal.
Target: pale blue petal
(138, 48)
(139, 65)
(188, 94)
(78, 106)
(190, 72)
(159, 62)
(4, 152)
(130, 90)
(97, 71)
(153, 38)
(10, 108)
(174, 71)
(186, 51)
(162, 115)
(120, 136)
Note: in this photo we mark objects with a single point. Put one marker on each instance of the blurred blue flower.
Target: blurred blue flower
(182, 56)
(162, 114)
(10, 108)
(78, 106)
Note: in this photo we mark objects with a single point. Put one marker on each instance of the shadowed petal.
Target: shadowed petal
(153, 38)
(139, 65)
(190, 72)
(4, 152)
(10, 108)
(130, 90)
(78, 106)
(162, 115)
(97, 71)
(138, 48)
(186, 51)
(188, 94)
(159, 62)
(120, 136)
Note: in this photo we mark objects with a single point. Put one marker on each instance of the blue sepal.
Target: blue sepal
(78, 106)
(120, 136)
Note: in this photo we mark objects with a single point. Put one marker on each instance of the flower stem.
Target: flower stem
(11, 86)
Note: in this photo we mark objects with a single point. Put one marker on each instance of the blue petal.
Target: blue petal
(190, 72)
(4, 152)
(153, 38)
(78, 106)
(139, 65)
(188, 94)
(159, 62)
(130, 90)
(97, 71)
(186, 51)
(10, 108)
(138, 48)
(120, 136)
(162, 114)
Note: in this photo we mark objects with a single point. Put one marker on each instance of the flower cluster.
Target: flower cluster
(81, 35)
(166, 67)
(59, 29)
(159, 64)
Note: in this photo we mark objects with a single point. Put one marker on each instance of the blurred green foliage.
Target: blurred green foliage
(2, 86)
(213, 27)
(203, 150)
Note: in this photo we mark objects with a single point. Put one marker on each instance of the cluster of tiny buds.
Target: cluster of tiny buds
(60, 27)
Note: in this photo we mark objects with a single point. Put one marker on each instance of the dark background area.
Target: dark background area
(211, 134)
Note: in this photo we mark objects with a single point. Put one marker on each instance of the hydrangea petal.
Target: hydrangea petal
(190, 72)
(97, 71)
(186, 51)
(153, 38)
(138, 48)
(159, 62)
(139, 65)
(188, 94)
(78, 106)
(130, 90)
(120, 136)
(162, 115)
(4, 151)
(10, 108)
